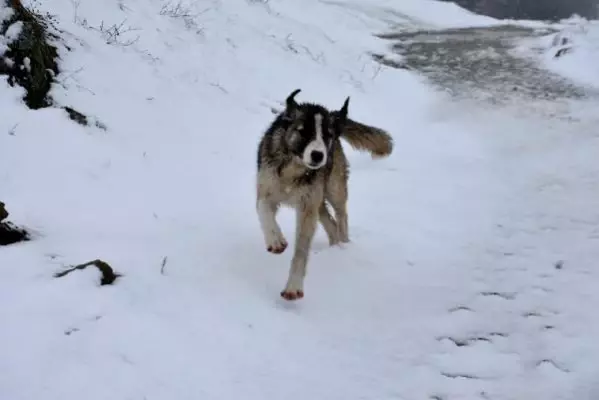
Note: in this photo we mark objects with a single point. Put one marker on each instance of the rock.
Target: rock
(10, 233)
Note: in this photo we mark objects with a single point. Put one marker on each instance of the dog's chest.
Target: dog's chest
(291, 184)
(292, 192)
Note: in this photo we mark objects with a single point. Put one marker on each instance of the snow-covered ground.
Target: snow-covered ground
(471, 269)
(581, 62)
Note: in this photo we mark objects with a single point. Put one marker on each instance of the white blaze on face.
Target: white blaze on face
(315, 154)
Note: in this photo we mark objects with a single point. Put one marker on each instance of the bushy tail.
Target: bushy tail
(363, 137)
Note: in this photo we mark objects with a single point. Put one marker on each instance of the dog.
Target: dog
(301, 164)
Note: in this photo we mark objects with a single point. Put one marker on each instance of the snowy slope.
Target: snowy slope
(185, 95)
(571, 50)
(581, 38)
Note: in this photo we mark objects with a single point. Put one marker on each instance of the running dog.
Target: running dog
(301, 164)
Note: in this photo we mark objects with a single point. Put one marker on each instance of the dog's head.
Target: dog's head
(311, 130)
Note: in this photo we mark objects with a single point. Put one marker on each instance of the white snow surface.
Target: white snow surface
(448, 290)
(581, 63)
(8, 37)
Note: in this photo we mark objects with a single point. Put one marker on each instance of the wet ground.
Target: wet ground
(481, 63)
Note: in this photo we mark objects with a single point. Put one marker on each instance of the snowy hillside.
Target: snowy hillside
(470, 274)
(578, 40)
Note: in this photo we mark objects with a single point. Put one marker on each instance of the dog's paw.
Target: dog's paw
(344, 237)
(333, 240)
(276, 245)
(294, 289)
(291, 295)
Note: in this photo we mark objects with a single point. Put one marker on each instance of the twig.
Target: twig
(164, 260)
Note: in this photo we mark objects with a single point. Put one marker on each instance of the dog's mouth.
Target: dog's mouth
(314, 165)
(308, 164)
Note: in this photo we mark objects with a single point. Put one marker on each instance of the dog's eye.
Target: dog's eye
(294, 138)
(300, 128)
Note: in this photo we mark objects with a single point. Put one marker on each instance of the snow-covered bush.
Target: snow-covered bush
(26, 54)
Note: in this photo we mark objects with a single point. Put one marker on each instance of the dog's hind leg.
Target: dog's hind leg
(267, 211)
(329, 224)
(307, 220)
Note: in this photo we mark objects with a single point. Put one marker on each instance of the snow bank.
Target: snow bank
(429, 14)
(6, 39)
(574, 51)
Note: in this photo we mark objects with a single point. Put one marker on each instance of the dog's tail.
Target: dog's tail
(364, 137)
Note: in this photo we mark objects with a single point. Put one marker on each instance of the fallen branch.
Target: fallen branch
(108, 274)
(164, 260)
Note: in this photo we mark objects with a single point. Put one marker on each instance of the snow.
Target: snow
(570, 50)
(5, 13)
(580, 64)
(13, 31)
(429, 14)
(455, 237)
(8, 37)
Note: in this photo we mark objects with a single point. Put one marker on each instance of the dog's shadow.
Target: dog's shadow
(264, 273)
(322, 244)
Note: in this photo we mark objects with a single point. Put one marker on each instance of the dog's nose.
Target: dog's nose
(316, 156)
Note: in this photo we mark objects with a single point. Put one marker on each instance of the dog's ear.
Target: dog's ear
(342, 115)
(291, 106)
(339, 118)
(291, 99)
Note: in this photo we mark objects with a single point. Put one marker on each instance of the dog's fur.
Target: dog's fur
(301, 164)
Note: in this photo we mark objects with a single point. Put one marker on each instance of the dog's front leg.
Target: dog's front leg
(307, 219)
(267, 211)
